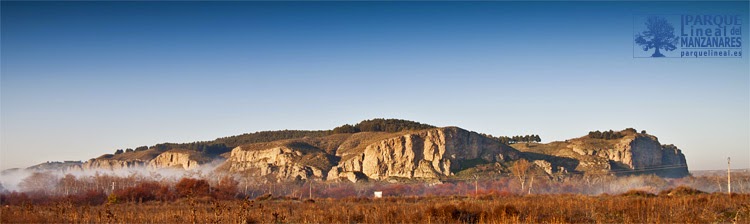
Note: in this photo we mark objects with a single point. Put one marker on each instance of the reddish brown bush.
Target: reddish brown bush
(165, 194)
(143, 192)
(464, 212)
(561, 208)
(681, 190)
(14, 198)
(340, 191)
(91, 197)
(190, 187)
(226, 189)
(638, 193)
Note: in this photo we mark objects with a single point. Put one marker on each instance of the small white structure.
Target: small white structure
(378, 194)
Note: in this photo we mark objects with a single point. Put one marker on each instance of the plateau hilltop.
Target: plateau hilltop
(398, 150)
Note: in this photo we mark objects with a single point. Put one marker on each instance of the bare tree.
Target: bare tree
(531, 183)
(69, 184)
(39, 182)
(520, 170)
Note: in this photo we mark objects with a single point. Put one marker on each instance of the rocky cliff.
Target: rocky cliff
(423, 154)
(632, 153)
(112, 164)
(178, 159)
(426, 154)
(151, 159)
(394, 149)
(639, 152)
(280, 161)
(64, 166)
(673, 162)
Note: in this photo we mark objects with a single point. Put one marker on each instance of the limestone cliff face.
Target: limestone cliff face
(176, 159)
(426, 154)
(280, 162)
(674, 162)
(417, 154)
(64, 166)
(112, 164)
(639, 152)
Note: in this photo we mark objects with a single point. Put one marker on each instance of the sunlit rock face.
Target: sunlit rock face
(425, 154)
(176, 160)
(636, 152)
(280, 163)
(112, 164)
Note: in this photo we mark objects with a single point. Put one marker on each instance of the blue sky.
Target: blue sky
(80, 79)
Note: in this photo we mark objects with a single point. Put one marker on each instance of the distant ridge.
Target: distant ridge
(394, 149)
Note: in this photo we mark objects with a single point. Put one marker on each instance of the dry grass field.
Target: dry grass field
(604, 199)
(631, 207)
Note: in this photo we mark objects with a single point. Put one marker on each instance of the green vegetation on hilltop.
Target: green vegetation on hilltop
(607, 135)
(268, 136)
(225, 144)
(516, 139)
(382, 125)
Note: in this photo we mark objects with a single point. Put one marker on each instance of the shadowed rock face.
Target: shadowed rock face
(440, 152)
(639, 152)
(428, 154)
(672, 156)
(425, 154)
(636, 152)
(432, 153)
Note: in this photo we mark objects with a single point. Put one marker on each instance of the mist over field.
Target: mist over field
(59, 183)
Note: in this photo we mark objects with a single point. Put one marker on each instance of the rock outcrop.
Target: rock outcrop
(673, 162)
(179, 159)
(398, 153)
(64, 166)
(151, 159)
(423, 154)
(426, 154)
(281, 162)
(112, 164)
(633, 152)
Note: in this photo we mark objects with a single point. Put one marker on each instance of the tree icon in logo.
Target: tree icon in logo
(660, 35)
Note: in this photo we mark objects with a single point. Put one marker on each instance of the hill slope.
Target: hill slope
(627, 152)
(383, 149)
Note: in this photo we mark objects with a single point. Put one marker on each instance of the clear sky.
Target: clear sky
(80, 79)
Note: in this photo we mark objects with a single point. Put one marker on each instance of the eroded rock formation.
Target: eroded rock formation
(432, 153)
(112, 164)
(280, 162)
(634, 151)
(425, 154)
(180, 159)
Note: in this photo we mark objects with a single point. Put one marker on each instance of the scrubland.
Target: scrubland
(632, 207)
(603, 199)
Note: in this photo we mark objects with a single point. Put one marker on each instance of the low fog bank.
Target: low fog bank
(108, 181)
(21, 180)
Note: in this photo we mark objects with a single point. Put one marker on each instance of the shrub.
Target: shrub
(90, 197)
(146, 191)
(638, 193)
(226, 189)
(14, 198)
(681, 190)
(190, 187)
